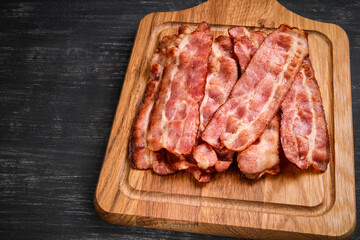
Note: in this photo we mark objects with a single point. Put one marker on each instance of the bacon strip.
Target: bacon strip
(263, 155)
(162, 162)
(175, 120)
(222, 75)
(182, 163)
(245, 44)
(304, 135)
(257, 95)
(144, 158)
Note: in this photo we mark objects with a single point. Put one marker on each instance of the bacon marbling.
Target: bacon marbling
(221, 77)
(246, 42)
(304, 135)
(257, 96)
(175, 119)
(263, 155)
(143, 158)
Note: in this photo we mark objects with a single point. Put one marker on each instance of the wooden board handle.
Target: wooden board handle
(258, 13)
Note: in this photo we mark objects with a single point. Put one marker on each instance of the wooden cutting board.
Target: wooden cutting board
(296, 204)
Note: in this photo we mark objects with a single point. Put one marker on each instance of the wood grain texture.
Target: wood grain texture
(62, 65)
(228, 206)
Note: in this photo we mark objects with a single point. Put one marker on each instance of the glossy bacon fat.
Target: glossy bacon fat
(143, 158)
(245, 44)
(161, 162)
(304, 135)
(263, 155)
(221, 77)
(257, 96)
(175, 119)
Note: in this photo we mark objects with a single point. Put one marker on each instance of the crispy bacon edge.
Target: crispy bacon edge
(263, 155)
(304, 135)
(222, 75)
(235, 133)
(142, 157)
(175, 119)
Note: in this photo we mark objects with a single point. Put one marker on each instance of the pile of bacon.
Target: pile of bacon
(210, 102)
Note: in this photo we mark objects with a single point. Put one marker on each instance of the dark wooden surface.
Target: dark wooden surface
(62, 65)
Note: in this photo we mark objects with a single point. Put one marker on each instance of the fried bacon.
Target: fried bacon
(304, 135)
(161, 162)
(246, 43)
(257, 96)
(175, 119)
(221, 77)
(143, 158)
(186, 163)
(263, 155)
(196, 113)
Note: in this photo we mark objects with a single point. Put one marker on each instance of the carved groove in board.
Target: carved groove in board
(284, 209)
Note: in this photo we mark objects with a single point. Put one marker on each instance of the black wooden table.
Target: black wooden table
(62, 65)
